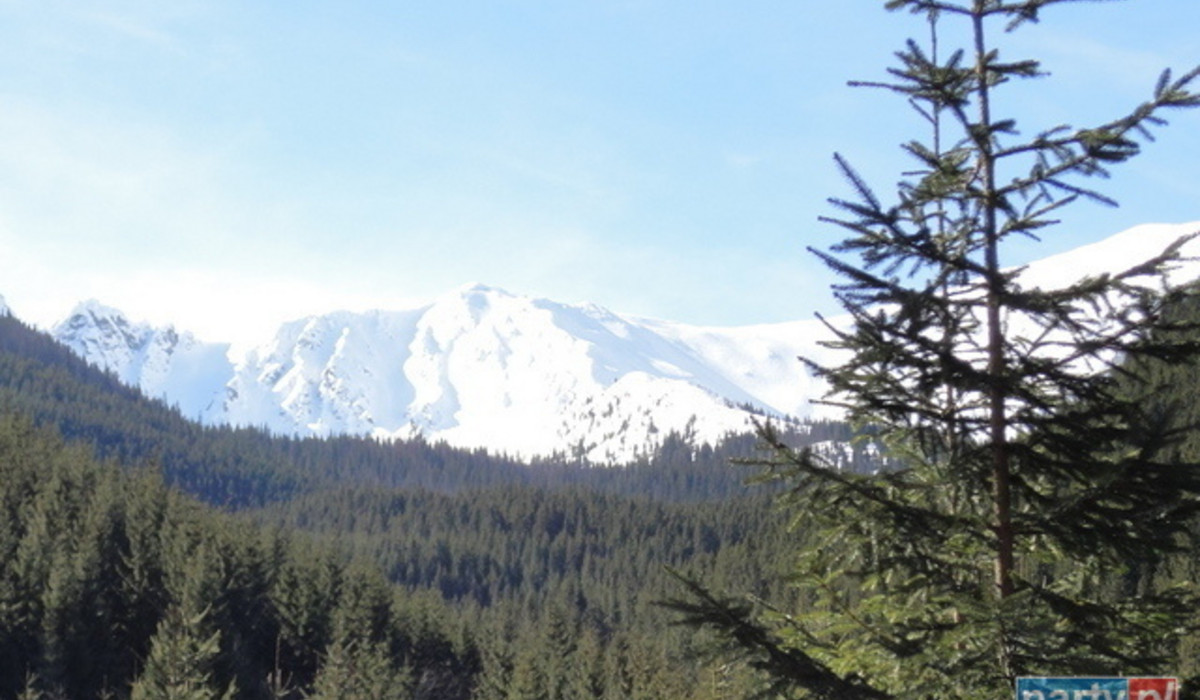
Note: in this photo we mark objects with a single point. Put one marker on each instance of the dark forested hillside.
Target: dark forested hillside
(113, 584)
(243, 467)
(225, 466)
(515, 580)
(548, 570)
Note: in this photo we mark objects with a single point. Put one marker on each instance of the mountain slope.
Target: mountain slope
(480, 367)
(49, 384)
(162, 362)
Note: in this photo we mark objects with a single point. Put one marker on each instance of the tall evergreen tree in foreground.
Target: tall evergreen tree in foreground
(1029, 500)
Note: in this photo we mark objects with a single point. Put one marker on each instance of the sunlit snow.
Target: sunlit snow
(480, 367)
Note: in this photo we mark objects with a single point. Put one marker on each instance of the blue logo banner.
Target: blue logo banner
(1097, 689)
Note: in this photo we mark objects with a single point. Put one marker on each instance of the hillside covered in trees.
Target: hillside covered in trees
(140, 547)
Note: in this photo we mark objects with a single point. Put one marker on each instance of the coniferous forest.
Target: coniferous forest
(145, 554)
(409, 571)
(1034, 513)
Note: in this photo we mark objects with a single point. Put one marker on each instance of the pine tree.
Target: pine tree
(586, 674)
(1026, 477)
(186, 647)
(358, 663)
(354, 669)
(182, 653)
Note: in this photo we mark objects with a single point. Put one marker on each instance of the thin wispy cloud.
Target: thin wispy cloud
(666, 159)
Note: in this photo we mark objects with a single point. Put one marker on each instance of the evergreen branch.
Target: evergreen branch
(869, 489)
(1086, 149)
(857, 182)
(787, 666)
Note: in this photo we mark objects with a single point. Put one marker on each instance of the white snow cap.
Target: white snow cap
(95, 309)
(4, 310)
(481, 367)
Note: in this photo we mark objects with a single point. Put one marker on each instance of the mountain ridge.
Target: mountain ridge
(480, 367)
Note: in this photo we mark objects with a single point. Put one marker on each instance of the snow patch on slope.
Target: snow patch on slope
(1116, 254)
(322, 375)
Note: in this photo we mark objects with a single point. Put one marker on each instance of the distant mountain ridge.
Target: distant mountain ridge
(162, 362)
(528, 377)
(478, 367)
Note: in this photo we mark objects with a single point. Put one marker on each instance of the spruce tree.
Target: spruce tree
(187, 645)
(182, 654)
(358, 663)
(1025, 476)
(354, 669)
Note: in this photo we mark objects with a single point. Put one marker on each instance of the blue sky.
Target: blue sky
(227, 165)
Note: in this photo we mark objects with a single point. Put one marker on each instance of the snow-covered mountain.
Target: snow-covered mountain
(163, 362)
(480, 367)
